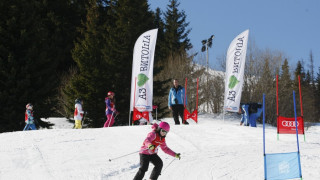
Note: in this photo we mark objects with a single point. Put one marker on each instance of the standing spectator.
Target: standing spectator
(110, 109)
(176, 102)
(78, 113)
(29, 118)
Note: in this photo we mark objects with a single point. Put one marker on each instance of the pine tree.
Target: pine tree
(91, 81)
(311, 68)
(265, 85)
(33, 46)
(285, 91)
(317, 83)
(130, 18)
(172, 46)
(308, 94)
(309, 98)
(160, 85)
(160, 46)
(176, 32)
(299, 71)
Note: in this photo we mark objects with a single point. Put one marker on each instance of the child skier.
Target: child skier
(29, 118)
(78, 113)
(110, 109)
(149, 150)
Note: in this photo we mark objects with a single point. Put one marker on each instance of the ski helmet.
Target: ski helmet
(110, 93)
(165, 126)
(78, 101)
(29, 106)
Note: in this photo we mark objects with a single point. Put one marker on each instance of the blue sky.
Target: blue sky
(290, 26)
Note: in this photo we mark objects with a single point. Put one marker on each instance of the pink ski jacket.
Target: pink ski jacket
(158, 141)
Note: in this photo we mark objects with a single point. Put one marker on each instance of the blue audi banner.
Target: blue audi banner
(282, 166)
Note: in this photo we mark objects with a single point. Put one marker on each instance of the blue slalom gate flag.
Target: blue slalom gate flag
(282, 166)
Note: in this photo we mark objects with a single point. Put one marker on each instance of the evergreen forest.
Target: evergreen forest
(52, 52)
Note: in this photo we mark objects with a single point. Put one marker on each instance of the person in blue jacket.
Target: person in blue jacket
(176, 102)
(29, 119)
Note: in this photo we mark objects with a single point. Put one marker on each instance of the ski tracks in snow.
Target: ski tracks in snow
(112, 174)
(45, 166)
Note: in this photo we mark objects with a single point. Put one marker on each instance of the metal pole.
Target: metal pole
(264, 138)
(296, 123)
(111, 118)
(134, 100)
(207, 77)
(168, 165)
(123, 156)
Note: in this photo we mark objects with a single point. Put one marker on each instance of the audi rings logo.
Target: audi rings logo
(289, 123)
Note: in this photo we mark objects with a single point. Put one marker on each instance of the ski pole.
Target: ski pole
(125, 155)
(82, 122)
(111, 118)
(168, 165)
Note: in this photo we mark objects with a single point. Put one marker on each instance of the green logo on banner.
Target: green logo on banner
(233, 81)
(142, 79)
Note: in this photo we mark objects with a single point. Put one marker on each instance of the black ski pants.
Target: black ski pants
(177, 110)
(144, 164)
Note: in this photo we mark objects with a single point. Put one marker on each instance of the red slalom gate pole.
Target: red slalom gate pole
(304, 135)
(277, 107)
(300, 96)
(197, 97)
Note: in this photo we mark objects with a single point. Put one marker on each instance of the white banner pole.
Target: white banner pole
(235, 64)
(142, 69)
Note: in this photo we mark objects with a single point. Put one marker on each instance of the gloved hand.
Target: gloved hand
(151, 147)
(178, 156)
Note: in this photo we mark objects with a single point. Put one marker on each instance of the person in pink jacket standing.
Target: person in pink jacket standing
(149, 150)
(110, 109)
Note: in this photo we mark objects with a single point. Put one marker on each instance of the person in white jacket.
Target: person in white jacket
(78, 113)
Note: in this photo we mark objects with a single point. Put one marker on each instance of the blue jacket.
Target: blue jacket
(29, 116)
(178, 95)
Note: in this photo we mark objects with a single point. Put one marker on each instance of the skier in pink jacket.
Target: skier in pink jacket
(149, 150)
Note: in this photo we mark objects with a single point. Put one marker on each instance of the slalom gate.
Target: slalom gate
(186, 113)
(282, 165)
(287, 125)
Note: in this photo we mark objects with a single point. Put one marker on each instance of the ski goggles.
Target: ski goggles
(164, 131)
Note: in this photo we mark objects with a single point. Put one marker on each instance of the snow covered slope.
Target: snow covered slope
(211, 149)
